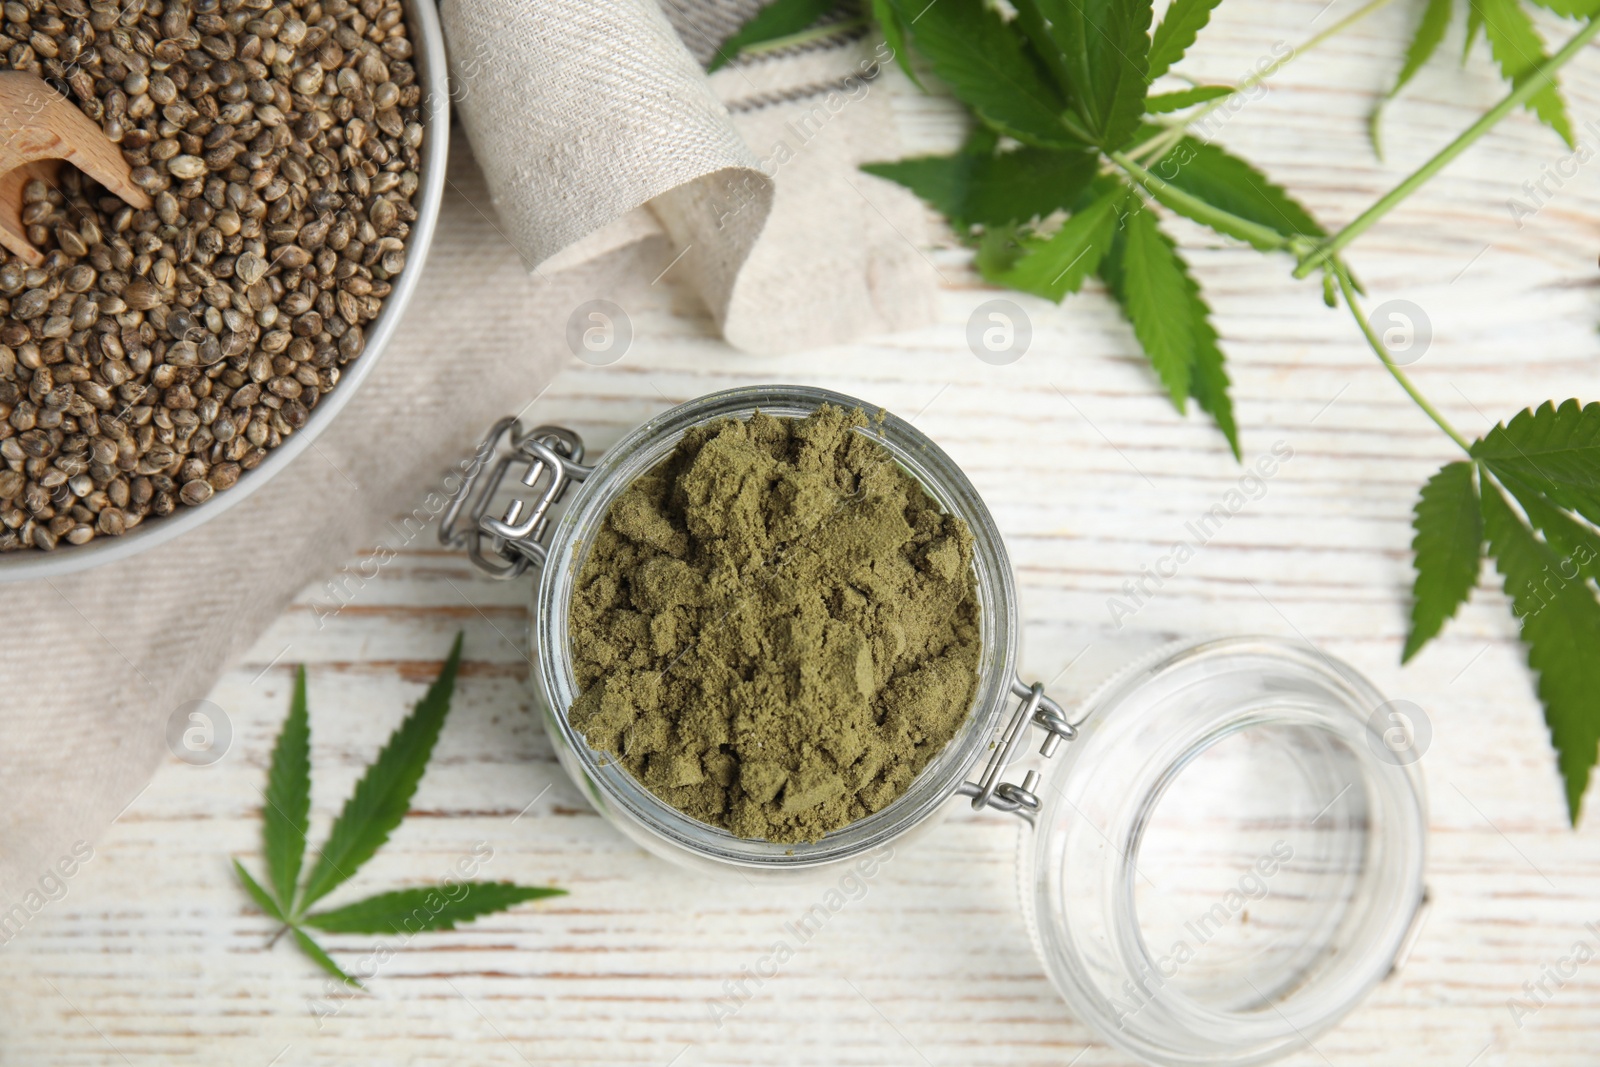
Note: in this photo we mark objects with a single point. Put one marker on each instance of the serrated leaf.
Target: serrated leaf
(285, 815)
(1175, 35)
(940, 180)
(996, 189)
(1424, 42)
(384, 792)
(1055, 266)
(262, 898)
(989, 68)
(1028, 183)
(894, 35)
(1561, 628)
(323, 960)
(1163, 103)
(1518, 52)
(1148, 279)
(1208, 377)
(1188, 332)
(778, 19)
(1036, 28)
(1554, 450)
(1447, 549)
(1577, 542)
(410, 911)
(1100, 49)
(1225, 181)
(1474, 27)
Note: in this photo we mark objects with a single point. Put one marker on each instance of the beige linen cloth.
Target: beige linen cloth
(603, 156)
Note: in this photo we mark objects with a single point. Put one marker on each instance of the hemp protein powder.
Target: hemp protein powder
(776, 628)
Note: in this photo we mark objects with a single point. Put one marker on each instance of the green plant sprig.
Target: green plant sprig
(1540, 80)
(1069, 151)
(371, 813)
(1176, 127)
(1514, 44)
(1547, 460)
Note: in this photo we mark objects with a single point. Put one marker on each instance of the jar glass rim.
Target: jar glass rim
(612, 786)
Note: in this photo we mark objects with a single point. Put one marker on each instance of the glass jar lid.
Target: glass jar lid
(1229, 857)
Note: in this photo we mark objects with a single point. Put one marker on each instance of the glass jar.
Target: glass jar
(1225, 854)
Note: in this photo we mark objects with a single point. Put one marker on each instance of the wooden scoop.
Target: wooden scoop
(39, 130)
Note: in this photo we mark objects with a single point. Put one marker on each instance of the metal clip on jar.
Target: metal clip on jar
(1244, 777)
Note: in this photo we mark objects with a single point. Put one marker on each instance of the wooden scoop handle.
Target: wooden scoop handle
(40, 129)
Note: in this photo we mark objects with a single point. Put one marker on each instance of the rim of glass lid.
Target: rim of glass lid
(1314, 717)
(428, 57)
(642, 449)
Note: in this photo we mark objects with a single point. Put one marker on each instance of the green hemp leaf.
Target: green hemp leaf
(1448, 550)
(1099, 52)
(980, 187)
(1529, 496)
(778, 20)
(994, 70)
(373, 811)
(1041, 221)
(1176, 35)
(1069, 162)
(1151, 282)
(1513, 42)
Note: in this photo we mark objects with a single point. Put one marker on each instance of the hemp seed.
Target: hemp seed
(279, 140)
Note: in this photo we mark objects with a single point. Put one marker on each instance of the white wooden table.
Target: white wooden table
(156, 956)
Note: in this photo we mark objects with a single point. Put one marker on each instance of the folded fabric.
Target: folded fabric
(595, 125)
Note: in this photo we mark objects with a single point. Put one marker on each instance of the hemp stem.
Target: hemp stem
(1538, 80)
(1382, 352)
(1259, 236)
(1158, 145)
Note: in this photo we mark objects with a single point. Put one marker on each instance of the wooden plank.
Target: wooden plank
(154, 955)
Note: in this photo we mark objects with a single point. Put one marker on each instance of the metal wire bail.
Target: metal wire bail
(1022, 798)
(504, 547)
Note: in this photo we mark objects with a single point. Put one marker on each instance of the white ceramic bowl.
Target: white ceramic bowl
(428, 57)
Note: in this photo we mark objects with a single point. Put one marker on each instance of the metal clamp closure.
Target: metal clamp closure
(1036, 709)
(552, 459)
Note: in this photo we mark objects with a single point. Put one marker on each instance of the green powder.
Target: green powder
(776, 628)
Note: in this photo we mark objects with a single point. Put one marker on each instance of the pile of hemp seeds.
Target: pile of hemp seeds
(156, 355)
